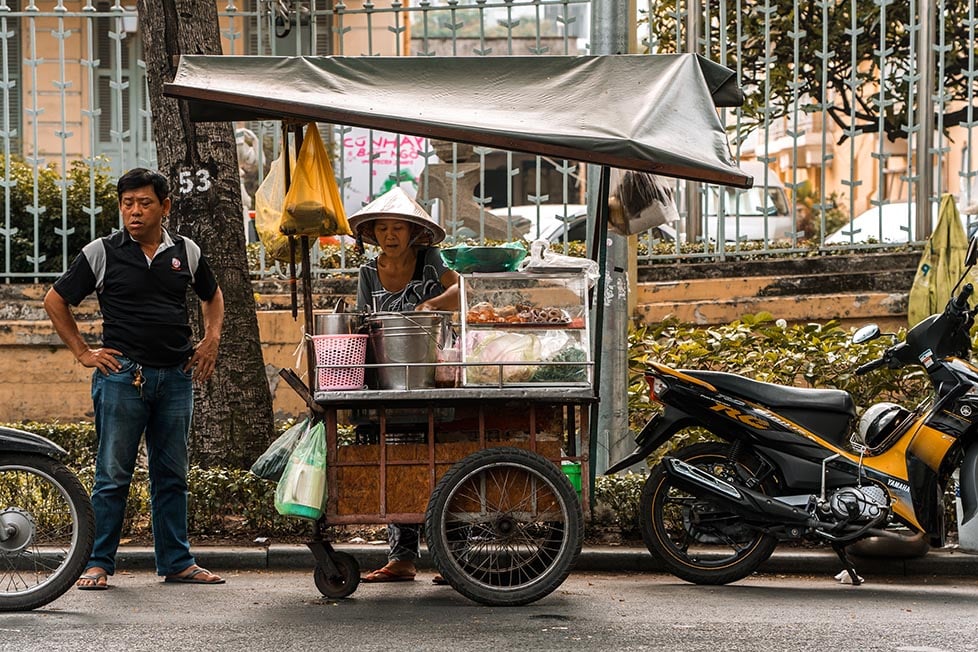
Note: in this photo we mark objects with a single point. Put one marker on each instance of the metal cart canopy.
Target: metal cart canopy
(655, 113)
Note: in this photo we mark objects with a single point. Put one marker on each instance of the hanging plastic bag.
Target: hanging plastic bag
(542, 259)
(269, 200)
(640, 201)
(302, 490)
(313, 206)
(272, 462)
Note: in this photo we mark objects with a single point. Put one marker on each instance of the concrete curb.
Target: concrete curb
(947, 562)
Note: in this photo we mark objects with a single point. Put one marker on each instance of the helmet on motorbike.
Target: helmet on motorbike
(878, 422)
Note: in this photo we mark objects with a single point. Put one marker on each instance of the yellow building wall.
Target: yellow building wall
(41, 380)
(41, 133)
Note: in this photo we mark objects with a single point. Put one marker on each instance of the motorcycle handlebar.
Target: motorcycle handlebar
(870, 366)
(961, 301)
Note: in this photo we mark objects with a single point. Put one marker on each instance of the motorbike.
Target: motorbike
(795, 464)
(47, 525)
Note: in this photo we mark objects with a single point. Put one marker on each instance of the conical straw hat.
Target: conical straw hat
(395, 205)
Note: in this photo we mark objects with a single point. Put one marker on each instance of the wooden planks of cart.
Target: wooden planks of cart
(482, 464)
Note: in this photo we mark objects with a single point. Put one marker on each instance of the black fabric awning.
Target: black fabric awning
(655, 113)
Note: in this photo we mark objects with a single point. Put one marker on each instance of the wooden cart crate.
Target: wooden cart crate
(407, 479)
(391, 480)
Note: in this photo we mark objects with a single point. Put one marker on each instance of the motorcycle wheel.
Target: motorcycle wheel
(49, 524)
(698, 539)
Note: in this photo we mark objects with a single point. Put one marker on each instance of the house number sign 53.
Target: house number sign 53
(190, 181)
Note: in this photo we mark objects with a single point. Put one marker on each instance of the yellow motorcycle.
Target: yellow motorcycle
(796, 464)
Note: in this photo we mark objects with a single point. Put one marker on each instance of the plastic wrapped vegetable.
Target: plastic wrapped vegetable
(562, 373)
(503, 347)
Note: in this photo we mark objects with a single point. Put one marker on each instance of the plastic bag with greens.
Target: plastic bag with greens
(271, 463)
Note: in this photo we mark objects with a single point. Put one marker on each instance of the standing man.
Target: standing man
(143, 371)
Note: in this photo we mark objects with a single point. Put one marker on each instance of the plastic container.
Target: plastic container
(304, 492)
(337, 350)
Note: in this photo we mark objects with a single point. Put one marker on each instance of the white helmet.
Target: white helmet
(878, 422)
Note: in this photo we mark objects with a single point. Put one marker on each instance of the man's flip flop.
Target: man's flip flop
(94, 578)
(192, 577)
(385, 575)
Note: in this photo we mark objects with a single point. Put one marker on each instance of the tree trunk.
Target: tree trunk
(233, 420)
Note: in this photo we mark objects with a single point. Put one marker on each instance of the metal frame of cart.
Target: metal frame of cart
(503, 524)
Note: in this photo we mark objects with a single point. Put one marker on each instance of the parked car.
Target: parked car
(554, 220)
(757, 213)
(895, 222)
(547, 221)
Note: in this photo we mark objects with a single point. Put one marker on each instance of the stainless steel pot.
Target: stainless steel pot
(401, 340)
(336, 323)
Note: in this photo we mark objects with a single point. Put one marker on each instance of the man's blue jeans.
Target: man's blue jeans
(161, 409)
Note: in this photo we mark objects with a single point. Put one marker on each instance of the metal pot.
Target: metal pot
(336, 323)
(400, 340)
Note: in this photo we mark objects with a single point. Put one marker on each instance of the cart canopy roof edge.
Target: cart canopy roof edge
(652, 113)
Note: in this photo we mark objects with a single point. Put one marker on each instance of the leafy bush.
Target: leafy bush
(228, 502)
(88, 191)
(757, 346)
(616, 500)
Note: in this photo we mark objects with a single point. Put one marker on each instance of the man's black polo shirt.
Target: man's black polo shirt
(144, 305)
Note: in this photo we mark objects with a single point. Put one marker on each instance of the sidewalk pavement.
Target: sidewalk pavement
(786, 560)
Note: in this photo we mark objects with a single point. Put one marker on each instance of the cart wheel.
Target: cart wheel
(504, 526)
(344, 582)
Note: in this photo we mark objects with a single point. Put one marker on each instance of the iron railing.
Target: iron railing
(73, 92)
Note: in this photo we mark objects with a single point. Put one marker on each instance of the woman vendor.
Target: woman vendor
(407, 275)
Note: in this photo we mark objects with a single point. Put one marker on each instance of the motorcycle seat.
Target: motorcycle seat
(778, 396)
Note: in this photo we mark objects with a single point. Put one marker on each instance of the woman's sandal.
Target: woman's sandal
(386, 575)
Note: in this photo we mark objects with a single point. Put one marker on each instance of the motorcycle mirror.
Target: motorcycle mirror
(866, 333)
(971, 257)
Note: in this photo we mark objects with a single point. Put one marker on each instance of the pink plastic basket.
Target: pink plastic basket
(339, 350)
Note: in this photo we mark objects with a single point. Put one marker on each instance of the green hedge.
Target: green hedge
(88, 192)
(228, 502)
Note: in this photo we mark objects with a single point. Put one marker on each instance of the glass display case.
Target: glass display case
(525, 328)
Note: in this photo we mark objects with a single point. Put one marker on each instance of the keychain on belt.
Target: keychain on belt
(138, 380)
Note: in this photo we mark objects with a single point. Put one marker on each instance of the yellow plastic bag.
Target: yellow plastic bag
(313, 206)
(269, 200)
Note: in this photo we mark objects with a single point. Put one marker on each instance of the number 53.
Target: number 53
(188, 184)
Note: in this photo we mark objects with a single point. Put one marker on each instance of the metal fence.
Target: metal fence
(75, 114)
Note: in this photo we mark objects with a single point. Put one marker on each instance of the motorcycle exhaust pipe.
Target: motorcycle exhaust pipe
(752, 505)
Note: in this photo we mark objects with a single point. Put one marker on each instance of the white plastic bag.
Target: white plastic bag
(302, 490)
(541, 258)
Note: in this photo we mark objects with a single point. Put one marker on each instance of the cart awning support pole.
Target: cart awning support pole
(600, 254)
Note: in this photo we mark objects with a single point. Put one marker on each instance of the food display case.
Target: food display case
(525, 329)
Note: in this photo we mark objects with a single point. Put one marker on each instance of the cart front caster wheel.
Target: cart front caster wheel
(504, 526)
(342, 583)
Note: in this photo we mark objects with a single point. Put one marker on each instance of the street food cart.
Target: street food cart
(480, 459)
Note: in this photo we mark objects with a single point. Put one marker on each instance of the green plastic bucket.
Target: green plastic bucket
(573, 472)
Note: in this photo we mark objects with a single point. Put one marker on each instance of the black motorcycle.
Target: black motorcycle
(792, 463)
(46, 522)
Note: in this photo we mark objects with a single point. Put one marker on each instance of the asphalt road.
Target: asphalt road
(277, 611)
